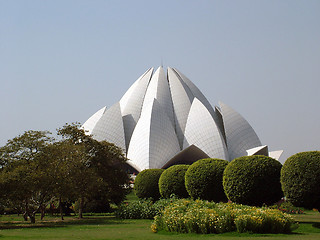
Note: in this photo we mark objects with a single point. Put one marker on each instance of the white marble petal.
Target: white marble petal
(202, 131)
(182, 98)
(110, 127)
(92, 121)
(240, 135)
(153, 141)
(131, 104)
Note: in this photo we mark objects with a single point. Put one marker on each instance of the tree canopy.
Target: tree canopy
(36, 169)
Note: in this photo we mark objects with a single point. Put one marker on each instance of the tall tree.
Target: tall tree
(98, 167)
(24, 180)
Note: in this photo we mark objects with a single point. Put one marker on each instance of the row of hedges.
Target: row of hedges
(251, 180)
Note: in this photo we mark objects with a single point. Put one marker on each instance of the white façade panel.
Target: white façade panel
(131, 104)
(128, 95)
(182, 98)
(276, 155)
(240, 135)
(92, 121)
(261, 150)
(196, 92)
(158, 88)
(110, 127)
(153, 141)
(203, 132)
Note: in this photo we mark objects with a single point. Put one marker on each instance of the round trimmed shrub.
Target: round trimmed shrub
(204, 179)
(300, 179)
(146, 184)
(172, 181)
(253, 180)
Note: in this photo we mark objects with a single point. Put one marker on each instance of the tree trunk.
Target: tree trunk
(81, 207)
(26, 211)
(25, 216)
(51, 209)
(32, 217)
(43, 211)
(61, 209)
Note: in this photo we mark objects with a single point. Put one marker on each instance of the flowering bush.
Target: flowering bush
(287, 207)
(188, 216)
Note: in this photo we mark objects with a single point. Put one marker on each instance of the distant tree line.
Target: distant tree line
(37, 170)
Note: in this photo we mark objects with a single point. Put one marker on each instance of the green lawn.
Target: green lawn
(108, 227)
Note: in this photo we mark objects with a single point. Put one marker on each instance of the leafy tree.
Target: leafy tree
(34, 171)
(23, 175)
(98, 167)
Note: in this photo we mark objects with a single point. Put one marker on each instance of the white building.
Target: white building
(164, 119)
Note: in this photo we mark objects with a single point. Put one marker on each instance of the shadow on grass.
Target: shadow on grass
(105, 220)
(316, 225)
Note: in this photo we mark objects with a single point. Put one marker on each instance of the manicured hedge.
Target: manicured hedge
(204, 179)
(172, 181)
(146, 184)
(253, 180)
(300, 179)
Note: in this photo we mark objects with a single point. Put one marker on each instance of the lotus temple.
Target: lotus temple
(163, 119)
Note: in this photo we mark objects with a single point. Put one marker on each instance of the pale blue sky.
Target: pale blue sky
(61, 61)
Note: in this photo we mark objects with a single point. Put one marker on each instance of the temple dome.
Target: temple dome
(163, 117)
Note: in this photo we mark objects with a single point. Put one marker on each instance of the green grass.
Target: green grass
(106, 226)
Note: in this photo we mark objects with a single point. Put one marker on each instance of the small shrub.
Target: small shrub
(143, 209)
(300, 178)
(204, 179)
(289, 208)
(172, 181)
(253, 180)
(136, 210)
(146, 184)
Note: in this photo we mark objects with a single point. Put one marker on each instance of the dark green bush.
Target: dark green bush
(204, 179)
(300, 179)
(146, 184)
(253, 180)
(172, 181)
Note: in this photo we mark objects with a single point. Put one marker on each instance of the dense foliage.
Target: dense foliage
(172, 181)
(35, 171)
(300, 179)
(253, 180)
(203, 179)
(189, 216)
(146, 184)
